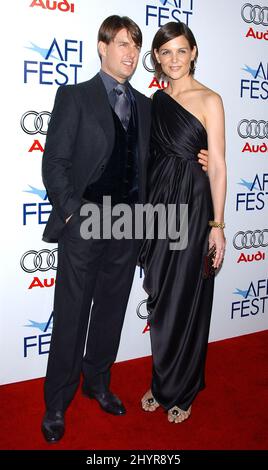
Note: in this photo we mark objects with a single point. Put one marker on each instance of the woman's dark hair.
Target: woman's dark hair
(170, 31)
(111, 25)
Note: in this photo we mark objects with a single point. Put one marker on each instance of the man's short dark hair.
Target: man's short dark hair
(113, 24)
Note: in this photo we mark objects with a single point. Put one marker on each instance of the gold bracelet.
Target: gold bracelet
(213, 223)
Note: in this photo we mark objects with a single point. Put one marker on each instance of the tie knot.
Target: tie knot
(120, 89)
(122, 106)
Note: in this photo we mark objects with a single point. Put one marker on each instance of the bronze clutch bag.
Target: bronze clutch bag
(209, 270)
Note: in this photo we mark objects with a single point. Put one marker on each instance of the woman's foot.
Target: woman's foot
(148, 402)
(176, 415)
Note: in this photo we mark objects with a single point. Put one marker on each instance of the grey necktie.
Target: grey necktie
(122, 105)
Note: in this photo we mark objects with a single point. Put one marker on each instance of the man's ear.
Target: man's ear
(102, 48)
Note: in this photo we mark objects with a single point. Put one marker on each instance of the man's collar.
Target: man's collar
(109, 81)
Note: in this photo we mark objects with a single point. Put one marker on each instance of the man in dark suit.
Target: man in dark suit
(96, 145)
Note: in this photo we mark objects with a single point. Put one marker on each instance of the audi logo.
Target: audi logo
(251, 239)
(142, 306)
(253, 129)
(255, 14)
(146, 62)
(42, 260)
(33, 122)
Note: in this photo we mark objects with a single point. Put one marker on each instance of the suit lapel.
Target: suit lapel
(102, 109)
(103, 113)
(143, 139)
(142, 126)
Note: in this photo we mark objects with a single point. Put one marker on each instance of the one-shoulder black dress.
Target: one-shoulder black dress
(180, 299)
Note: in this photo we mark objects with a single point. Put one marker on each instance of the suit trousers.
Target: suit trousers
(94, 279)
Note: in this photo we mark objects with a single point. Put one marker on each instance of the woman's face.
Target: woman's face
(175, 57)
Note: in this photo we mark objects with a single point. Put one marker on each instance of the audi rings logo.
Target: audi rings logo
(146, 62)
(253, 129)
(142, 310)
(33, 122)
(42, 260)
(255, 14)
(251, 239)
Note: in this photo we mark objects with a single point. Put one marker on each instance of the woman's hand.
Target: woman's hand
(217, 238)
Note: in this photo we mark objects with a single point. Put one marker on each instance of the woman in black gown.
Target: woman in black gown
(187, 116)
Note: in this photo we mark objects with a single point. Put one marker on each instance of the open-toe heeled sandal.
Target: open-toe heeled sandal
(176, 415)
(148, 402)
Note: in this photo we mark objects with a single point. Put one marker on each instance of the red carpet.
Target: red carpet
(231, 413)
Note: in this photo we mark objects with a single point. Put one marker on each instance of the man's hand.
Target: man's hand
(203, 159)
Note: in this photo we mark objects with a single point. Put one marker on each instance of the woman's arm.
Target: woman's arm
(215, 126)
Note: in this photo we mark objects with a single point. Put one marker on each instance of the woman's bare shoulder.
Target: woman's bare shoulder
(212, 103)
(210, 97)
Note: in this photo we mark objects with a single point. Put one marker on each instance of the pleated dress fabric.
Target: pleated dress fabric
(179, 298)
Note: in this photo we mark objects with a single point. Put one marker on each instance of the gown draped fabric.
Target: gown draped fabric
(180, 300)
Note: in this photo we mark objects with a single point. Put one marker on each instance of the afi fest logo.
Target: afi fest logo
(59, 65)
(159, 12)
(254, 300)
(38, 344)
(63, 6)
(257, 17)
(256, 197)
(37, 211)
(256, 86)
(253, 129)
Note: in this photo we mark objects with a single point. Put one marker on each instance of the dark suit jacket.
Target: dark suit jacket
(79, 142)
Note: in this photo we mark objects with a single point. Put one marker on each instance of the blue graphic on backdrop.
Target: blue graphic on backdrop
(43, 52)
(257, 86)
(36, 211)
(166, 10)
(67, 55)
(253, 72)
(38, 344)
(38, 192)
(40, 326)
(256, 196)
(243, 293)
(254, 300)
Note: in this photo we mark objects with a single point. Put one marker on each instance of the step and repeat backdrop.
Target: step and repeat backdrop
(53, 43)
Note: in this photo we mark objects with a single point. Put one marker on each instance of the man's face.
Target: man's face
(120, 57)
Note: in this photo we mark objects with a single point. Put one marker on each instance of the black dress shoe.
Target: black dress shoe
(107, 401)
(53, 426)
